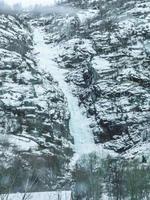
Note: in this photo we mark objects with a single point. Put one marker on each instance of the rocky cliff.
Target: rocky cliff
(34, 118)
(106, 48)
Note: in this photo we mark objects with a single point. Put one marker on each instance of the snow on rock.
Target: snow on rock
(23, 144)
(112, 83)
(85, 15)
(100, 64)
(34, 118)
(79, 124)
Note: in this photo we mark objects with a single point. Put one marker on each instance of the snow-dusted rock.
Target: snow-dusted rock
(108, 61)
(34, 118)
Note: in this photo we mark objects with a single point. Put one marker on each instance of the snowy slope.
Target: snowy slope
(107, 58)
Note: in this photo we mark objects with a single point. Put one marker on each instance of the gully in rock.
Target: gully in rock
(79, 124)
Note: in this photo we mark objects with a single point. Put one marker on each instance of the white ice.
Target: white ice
(79, 124)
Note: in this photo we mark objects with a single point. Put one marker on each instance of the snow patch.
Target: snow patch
(23, 144)
(84, 15)
(100, 64)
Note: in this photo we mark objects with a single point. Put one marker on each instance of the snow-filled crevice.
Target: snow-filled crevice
(79, 124)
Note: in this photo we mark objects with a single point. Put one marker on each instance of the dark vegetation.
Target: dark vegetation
(118, 178)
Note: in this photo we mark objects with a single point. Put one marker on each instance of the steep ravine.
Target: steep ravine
(107, 56)
(79, 124)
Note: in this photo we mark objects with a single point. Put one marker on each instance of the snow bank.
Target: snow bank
(63, 195)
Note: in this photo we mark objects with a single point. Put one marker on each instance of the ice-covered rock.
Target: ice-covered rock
(34, 118)
(107, 59)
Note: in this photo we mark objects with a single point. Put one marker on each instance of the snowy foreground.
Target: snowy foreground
(63, 195)
(58, 195)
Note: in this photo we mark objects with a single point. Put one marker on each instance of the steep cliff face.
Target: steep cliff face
(34, 118)
(106, 49)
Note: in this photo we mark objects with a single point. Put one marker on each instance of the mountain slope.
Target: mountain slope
(34, 124)
(106, 51)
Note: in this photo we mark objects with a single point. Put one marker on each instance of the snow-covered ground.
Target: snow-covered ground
(62, 195)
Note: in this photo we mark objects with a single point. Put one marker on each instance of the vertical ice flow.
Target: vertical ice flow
(79, 124)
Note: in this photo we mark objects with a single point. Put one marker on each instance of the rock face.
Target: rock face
(34, 119)
(107, 54)
(105, 47)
